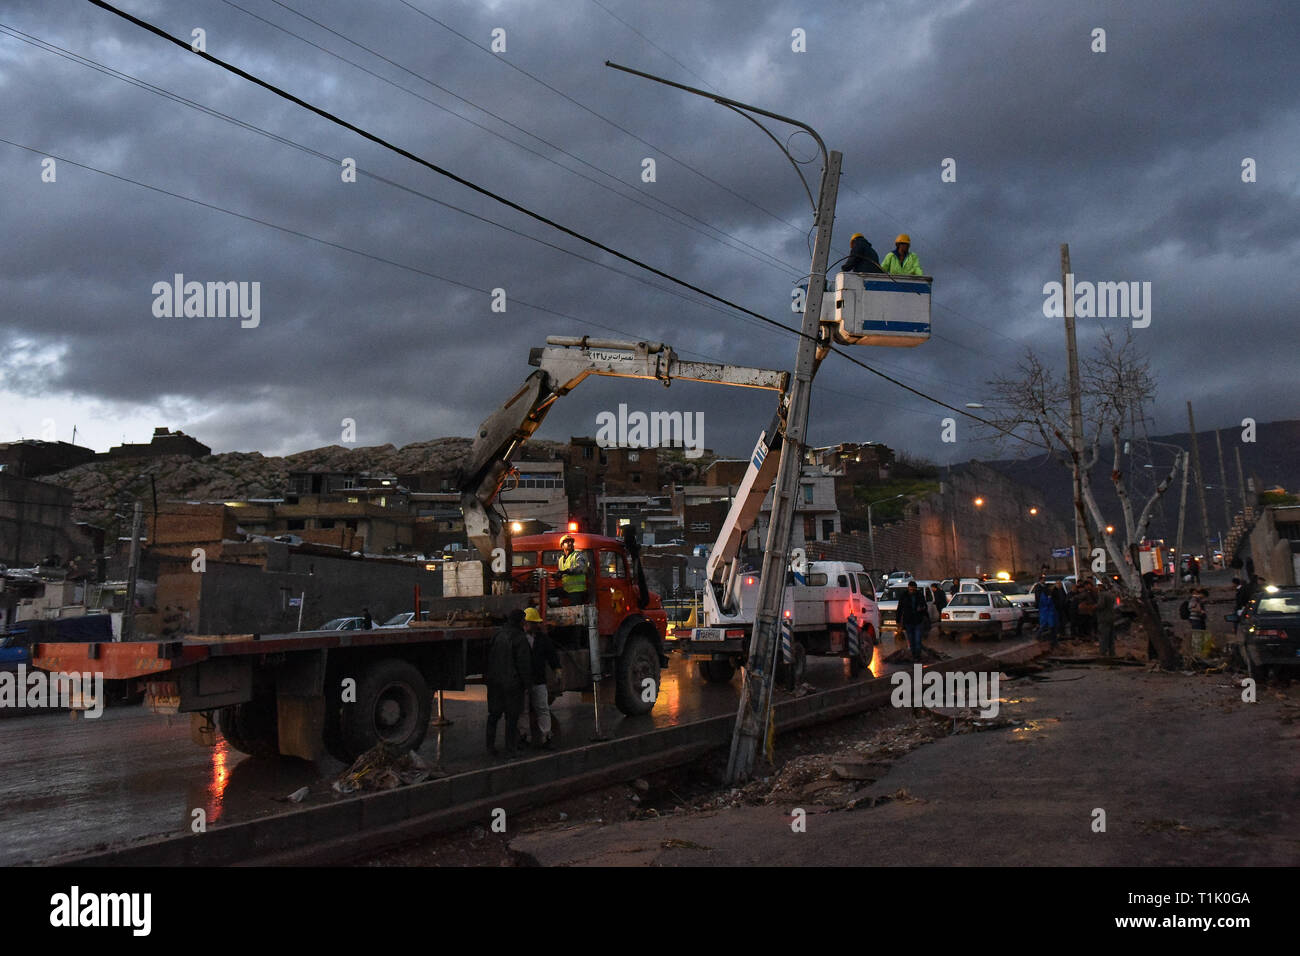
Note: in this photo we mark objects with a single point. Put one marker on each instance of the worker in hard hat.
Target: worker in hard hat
(902, 261)
(573, 567)
(539, 698)
(862, 257)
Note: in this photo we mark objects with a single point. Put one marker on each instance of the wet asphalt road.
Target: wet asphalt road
(69, 785)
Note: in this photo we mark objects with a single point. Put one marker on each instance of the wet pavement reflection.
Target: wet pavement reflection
(69, 786)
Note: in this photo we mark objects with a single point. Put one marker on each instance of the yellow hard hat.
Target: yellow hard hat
(903, 237)
(856, 235)
(532, 614)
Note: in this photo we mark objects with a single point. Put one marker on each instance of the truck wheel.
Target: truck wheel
(393, 707)
(252, 727)
(638, 663)
(716, 672)
(866, 650)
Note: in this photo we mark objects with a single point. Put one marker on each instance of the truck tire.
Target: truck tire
(638, 662)
(252, 727)
(393, 707)
(866, 650)
(717, 672)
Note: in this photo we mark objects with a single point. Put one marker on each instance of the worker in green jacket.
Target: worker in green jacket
(902, 262)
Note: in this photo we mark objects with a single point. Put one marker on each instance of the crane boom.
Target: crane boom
(561, 367)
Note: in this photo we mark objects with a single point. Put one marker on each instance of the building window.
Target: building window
(296, 524)
(808, 494)
(586, 451)
(828, 528)
(327, 522)
(636, 477)
(700, 527)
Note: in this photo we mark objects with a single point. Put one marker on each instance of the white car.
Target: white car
(403, 619)
(1017, 594)
(981, 612)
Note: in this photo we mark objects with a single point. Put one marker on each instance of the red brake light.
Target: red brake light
(1271, 633)
(985, 616)
(945, 617)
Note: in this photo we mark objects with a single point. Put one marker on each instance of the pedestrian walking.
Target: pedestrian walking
(541, 655)
(509, 672)
(940, 599)
(1106, 621)
(914, 618)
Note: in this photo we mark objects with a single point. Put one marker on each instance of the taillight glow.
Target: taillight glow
(985, 616)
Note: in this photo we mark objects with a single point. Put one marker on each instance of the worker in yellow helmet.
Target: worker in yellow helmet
(862, 257)
(902, 261)
(573, 567)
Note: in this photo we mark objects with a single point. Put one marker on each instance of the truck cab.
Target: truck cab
(632, 625)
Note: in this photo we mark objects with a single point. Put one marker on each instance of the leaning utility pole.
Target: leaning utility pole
(132, 572)
(1200, 486)
(1076, 411)
(1241, 487)
(1223, 484)
(755, 709)
(1182, 512)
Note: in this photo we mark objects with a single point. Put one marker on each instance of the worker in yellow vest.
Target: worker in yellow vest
(902, 261)
(573, 568)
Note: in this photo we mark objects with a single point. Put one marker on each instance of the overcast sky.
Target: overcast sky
(1134, 156)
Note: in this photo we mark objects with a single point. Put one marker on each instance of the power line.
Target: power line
(606, 119)
(651, 42)
(512, 205)
(45, 46)
(774, 262)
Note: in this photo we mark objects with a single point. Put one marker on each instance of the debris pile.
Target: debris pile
(384, 768)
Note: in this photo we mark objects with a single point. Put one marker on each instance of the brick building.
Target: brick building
(32, 458)
(164, 442)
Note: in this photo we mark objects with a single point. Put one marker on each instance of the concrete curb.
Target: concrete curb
(372, 822)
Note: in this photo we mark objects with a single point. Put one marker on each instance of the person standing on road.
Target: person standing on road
(1106, 621)
(367, 622)
(1061, 605)
(509, 672)
(914, 616)
(1194, 569)
(542, 655)
(1046, 614)
(1087, 611)
(940, 599)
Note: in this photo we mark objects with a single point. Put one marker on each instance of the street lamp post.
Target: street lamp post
(871, 528)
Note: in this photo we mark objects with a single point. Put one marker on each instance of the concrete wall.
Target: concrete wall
(1000, 535)
(1270, 550)
(36, 521)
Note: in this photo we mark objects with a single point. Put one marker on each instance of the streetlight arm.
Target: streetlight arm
(725, 101)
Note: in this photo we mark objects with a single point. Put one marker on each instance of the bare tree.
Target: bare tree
(1032, 407)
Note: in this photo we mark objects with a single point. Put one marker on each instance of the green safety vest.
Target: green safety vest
(911, 266)
(573, 572)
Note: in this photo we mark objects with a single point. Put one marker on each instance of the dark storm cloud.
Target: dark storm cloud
(1132, 156)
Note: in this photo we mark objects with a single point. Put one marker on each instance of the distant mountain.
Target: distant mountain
(1272, 459)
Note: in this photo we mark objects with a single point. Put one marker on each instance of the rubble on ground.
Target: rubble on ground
(384, 768)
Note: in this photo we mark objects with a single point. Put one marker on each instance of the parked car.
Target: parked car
(344, 624)
(1269, 627)
(981, 612)
(1017, 594)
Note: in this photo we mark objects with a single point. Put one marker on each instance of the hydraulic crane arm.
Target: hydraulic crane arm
(561, 367)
